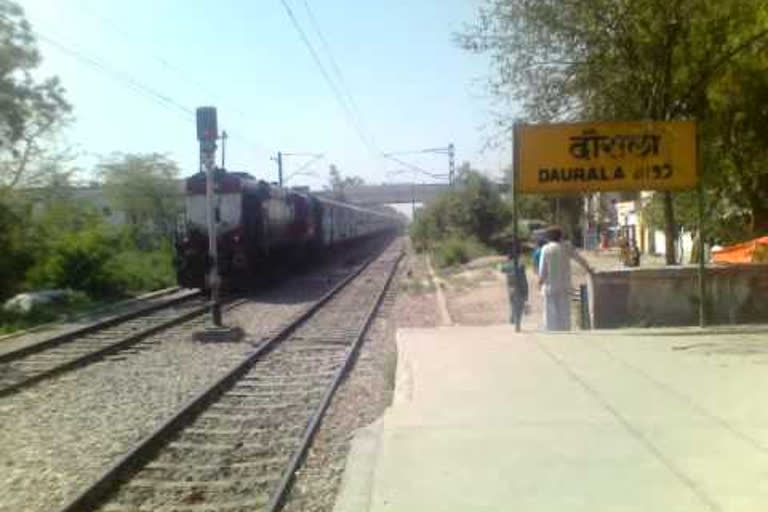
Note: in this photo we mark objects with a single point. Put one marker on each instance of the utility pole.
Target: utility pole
(207, 132)
(223, 147)
(451, 164)
(517, 298)
(280, 168)
(300, 170)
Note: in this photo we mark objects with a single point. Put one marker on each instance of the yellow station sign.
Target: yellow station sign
(586, 157)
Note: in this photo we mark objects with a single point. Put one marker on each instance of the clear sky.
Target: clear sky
(412, 87)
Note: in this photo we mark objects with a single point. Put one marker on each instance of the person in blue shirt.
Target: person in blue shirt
(517, 286)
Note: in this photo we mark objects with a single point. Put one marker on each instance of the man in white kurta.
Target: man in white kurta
(555, 281)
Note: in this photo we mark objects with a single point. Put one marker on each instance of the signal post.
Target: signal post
(207, 134)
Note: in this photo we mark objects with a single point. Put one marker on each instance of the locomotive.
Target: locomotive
(259, 224)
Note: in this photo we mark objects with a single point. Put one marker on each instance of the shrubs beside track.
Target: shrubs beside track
(68, 246)
(464, 223)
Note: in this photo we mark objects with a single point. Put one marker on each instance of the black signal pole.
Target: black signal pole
(207, 133)
(223, 147)
(515, 223)
(279, 161)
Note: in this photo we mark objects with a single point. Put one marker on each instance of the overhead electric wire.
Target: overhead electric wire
(334, 88)
(125, 78)
(133, 84)
(166, 63)
(337, 72)
(415, 168)
(418, 151)
(117, 28)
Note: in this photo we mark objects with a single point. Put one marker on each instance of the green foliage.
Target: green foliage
(66, 245)
(143, 187)
(32, 109)
(612, 59)
(47, 240)
(535, 206)
(78, 261)
(143, 270)
(16, 255)
(456, 250)
(736, 156)
(723, 223)
(643, 59)
(463, 221)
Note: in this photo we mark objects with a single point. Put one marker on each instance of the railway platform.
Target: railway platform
(487, 420)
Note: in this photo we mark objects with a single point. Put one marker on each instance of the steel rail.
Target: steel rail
(60, 339)
(286, 482)
(99, 310)
(107, 349)
(95, 493)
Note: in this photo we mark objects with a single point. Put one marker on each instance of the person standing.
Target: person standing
(517, 286)
(537, 254)
(555, 280)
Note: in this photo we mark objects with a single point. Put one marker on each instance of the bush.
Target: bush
(143, 270)
(16, 253)
(78, 261)
(473, 208)
(456, 251)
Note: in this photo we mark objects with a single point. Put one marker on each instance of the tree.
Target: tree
(472, 209)
(16, 254)
(739, 142)
(338, 184)
(31, 110)
(615, 59)
(144, 188)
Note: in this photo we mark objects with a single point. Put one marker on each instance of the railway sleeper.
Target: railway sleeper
(191, 499)
(214, 420)
(244, 437)
(222, 454)
(234, 436)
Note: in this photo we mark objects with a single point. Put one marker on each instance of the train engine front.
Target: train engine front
(258, 225)
(192, 261)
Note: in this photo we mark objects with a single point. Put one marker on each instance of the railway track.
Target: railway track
(31, 364)
(237, 445)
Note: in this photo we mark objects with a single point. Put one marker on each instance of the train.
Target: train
(260, 225)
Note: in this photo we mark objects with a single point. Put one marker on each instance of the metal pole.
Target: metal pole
(451, 164)
(280, 168)
(223, 147)
(702, 269)
(208, 149)
(516, 255)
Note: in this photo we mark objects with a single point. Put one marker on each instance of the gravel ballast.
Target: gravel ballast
(61, 434)
(258, 422)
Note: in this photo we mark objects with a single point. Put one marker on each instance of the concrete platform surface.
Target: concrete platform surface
(487, 420)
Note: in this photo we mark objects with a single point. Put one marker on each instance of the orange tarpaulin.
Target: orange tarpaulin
(753, 251)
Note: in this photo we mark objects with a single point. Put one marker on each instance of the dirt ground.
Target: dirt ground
(477, 294)
(416, 303)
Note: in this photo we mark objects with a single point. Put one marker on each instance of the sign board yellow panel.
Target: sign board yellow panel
(587, 157)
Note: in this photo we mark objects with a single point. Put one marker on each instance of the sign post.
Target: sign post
(207, 133)
(515, 231)
(700, 207)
